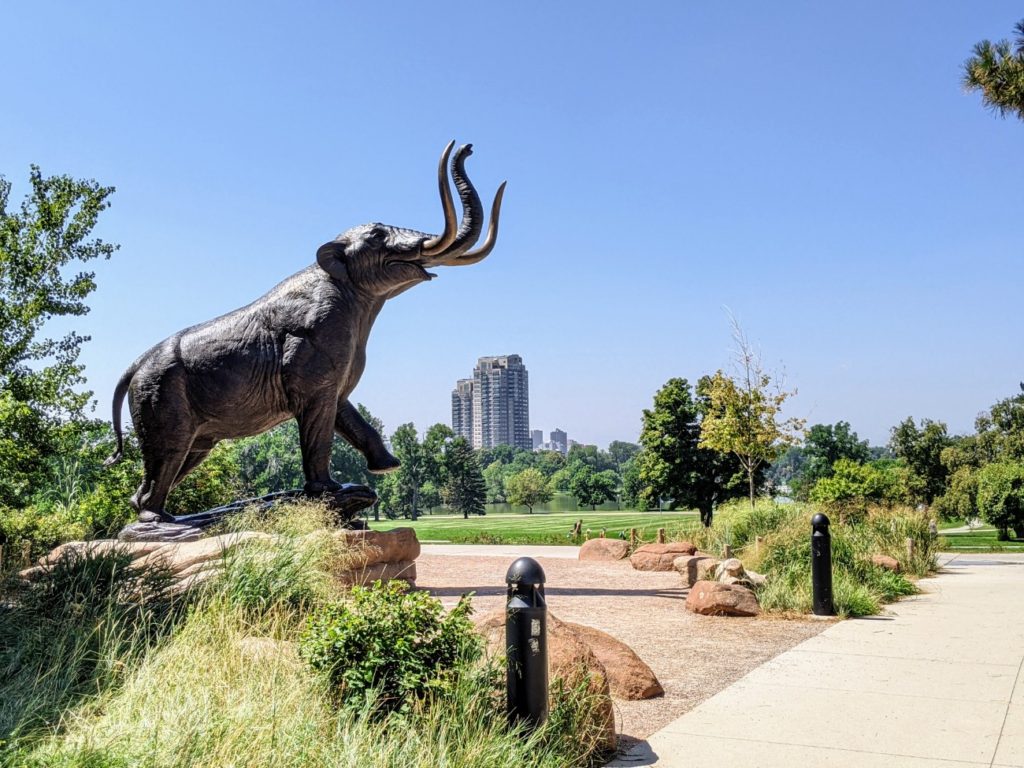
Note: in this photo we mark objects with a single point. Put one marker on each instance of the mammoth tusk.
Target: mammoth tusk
(437, 245)
(472, 257)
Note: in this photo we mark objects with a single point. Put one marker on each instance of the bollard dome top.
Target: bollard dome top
(525, 570)
(820, 521)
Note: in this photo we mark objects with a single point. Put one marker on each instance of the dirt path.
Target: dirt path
(693, 656)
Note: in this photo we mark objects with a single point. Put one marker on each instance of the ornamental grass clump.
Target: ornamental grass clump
(784, 553)
(390, 645)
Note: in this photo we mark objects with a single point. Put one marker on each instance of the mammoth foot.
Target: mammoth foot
(149, 516)
(381, 465)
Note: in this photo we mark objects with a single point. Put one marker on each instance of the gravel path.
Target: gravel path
(693, 656)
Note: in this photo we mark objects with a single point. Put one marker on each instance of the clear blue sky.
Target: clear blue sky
(815, 167)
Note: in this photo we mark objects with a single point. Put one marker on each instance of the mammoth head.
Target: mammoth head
(385, 260)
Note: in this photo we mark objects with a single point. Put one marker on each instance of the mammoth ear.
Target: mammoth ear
(331, 258)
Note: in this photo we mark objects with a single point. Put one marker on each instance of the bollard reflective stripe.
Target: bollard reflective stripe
(821, 567)
(526, 625)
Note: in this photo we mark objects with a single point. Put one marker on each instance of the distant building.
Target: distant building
(559, 441)
(538, 438)
(493, 408)
(462, 409)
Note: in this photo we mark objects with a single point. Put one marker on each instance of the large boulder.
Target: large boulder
(713, 598)
(571, 660)
(629, 677)
(707, 569)
(688, 565)
(604, 550)
(659, 557)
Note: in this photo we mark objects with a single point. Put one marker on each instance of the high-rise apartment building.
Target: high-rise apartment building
(559, 441)
(538, 438)
(493, 408)
(462, 409)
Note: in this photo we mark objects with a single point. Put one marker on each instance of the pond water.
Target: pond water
(560, 502)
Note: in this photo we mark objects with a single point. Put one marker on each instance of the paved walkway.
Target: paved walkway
(938, 681)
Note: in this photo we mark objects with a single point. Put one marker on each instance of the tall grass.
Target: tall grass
(223, 684)
(784, 554)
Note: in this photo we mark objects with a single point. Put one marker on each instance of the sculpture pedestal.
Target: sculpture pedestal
(365, 556)
(345, 503)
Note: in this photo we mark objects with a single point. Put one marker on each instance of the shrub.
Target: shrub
(389, 645)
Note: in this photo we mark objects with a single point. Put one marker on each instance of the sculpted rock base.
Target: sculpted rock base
(364, 556)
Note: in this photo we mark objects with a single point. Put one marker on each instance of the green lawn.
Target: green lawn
(980, 540)
(538, 528)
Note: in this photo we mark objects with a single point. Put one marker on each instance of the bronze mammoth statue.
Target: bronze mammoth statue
(296, 352)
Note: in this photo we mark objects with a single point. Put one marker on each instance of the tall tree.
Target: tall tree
(527, 488)
(921, 451)
(42, 246)
(743, 416)
(672, 463)
(411, 475)
(590, 487)
(997, 70)
(464, 489)
(621, 452)
(824, 445)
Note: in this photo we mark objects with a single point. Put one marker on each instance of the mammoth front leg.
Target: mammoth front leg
(350, 424)
(316, 431)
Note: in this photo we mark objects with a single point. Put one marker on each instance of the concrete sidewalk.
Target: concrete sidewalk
(936, 681)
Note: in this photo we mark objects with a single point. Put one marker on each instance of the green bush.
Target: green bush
(389, 645)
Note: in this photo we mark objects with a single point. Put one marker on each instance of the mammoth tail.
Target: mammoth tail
(119, 392)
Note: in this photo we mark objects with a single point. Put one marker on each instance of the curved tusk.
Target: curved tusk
(472, 257)
(437, 245)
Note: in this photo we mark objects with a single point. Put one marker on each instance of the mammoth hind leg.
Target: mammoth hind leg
(350, 424)
(315, 435)
(162, 469)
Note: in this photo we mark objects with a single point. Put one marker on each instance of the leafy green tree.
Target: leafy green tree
(592, 456)
(42, 246)
(621, 452)
(824, 445)
(404, 490)
(1001, 497)
(673, 464)
(592, 488)
(1000, 432)
(632, 485)
(494, 481)
(787, 468)
(464, 490)
(921, 450)
(960, 501)
(549, 462)
(743, 419)
(527, 488)
(434, 442)
(997, 70)
(853, 485)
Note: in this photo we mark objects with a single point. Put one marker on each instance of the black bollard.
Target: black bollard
(821, 566)
(526, 631)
